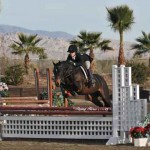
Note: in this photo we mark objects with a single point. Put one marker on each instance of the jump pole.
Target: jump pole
(66, 102)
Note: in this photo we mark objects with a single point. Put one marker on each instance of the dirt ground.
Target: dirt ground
(34, 144)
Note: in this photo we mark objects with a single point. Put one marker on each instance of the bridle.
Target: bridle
(65, 73)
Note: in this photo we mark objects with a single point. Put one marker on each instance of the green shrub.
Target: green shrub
(140, 72)
(14, 74)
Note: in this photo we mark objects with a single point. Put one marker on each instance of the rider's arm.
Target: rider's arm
(68, 58)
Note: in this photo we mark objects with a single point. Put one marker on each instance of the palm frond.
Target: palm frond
(142, 45)
(105, 45)
(87, 40)
(36, 50)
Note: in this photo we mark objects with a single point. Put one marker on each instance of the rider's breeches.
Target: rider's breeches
(87, 64)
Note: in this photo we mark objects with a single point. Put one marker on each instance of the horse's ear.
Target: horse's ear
(59, 62)
(53, 63)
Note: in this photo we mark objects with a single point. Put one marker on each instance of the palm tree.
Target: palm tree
(26, 45)
(121, 19)
(143, 45)
(89, 41)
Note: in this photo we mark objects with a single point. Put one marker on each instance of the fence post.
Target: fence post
(1, 130)
(66, 102)
(0, 122)
(36, 75)
(49, 86)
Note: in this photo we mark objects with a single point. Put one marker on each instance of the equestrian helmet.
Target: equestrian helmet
(72, 48)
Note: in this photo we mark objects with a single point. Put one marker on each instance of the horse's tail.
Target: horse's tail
(104, 88)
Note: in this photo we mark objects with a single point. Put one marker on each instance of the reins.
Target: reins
(66, 75)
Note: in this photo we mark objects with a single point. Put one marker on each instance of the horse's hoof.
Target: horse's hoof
(102, 103)
(90, 98)
(74, 93)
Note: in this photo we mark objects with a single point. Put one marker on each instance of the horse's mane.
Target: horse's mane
(65, 64)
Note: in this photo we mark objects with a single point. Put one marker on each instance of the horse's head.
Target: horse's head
(63, 71)
(57, 71)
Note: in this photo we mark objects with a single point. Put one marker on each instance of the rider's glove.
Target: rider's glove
(73, 63)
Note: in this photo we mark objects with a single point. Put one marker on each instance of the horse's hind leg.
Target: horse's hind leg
(105, 97)
(96, 99)
(99, 98)
(103, 90)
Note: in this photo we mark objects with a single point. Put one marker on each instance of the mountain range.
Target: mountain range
(5, 29)
(54, 43)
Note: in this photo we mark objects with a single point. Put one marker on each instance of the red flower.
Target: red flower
(138, 132)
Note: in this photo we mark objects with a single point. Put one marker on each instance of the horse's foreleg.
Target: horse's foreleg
(65, 95)
(62, 89)
(77, 86)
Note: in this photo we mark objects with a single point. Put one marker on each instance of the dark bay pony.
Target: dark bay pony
(71, 78)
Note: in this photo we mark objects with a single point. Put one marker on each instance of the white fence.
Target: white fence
(67, 127)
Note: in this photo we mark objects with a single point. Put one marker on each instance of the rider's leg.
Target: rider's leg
(90, 75)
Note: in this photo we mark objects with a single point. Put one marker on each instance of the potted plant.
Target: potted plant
(139, 134)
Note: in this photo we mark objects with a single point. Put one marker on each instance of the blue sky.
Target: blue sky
(72, 16)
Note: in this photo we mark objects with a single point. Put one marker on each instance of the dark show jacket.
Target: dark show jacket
(79, 59)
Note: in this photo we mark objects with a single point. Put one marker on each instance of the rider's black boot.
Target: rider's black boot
(90, 78)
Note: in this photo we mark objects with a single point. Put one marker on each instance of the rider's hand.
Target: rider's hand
(73, 63)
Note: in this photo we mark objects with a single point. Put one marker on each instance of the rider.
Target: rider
(77, 59)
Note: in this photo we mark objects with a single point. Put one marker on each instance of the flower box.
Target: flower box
(140, 142)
